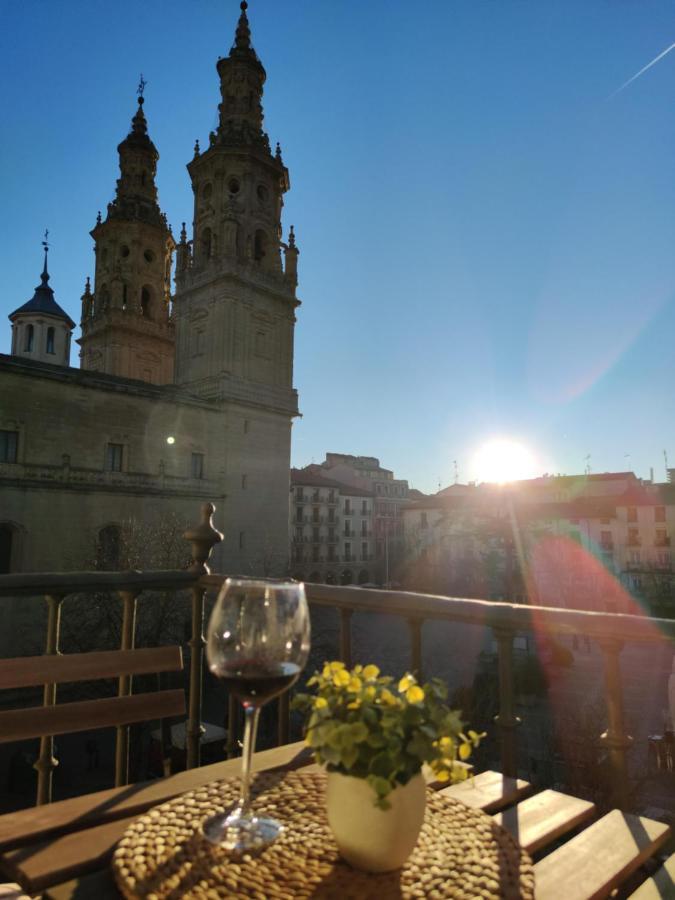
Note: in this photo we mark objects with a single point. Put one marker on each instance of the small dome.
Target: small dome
(42, 302)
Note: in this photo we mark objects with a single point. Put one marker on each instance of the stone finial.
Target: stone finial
(203, 538)
(278, 152)
(242, 37)
(183, 234)
(291, 238)
(197, 148)
(98, 217)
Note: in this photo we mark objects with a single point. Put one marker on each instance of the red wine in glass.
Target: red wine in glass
(257, 644)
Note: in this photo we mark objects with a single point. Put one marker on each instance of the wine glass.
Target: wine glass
(257, 643)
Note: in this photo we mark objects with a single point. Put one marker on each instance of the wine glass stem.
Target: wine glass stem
(251, 715)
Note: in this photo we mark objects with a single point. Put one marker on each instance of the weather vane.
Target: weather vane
(45, 243)
(141, 86)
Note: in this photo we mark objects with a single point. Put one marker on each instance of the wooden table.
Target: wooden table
(62, 851)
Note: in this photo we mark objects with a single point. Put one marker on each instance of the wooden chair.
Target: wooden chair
(85, 715)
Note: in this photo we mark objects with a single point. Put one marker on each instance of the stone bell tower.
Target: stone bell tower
(235, 300)
(126, 325)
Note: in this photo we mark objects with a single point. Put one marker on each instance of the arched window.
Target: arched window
(30, 335)
(108, 548)
(145, 302)
(363, 576)
(6, 541)
(347, 577)
(207, 240)
(50, 340)
(259, 245)
(330, 578)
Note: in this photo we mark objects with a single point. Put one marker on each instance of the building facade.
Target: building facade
(331, 527)
(179, 398)
(390, 497)
(589, 542)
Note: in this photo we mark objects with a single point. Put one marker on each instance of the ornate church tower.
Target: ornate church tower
(126, 325)
(235, 301)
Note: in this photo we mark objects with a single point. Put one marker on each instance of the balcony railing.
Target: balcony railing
(609, 631)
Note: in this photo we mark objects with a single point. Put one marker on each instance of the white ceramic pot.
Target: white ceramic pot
(370, 838)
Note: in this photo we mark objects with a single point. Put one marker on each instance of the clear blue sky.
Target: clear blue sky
(487, 241)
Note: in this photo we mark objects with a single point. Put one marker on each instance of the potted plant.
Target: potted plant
(374, 735)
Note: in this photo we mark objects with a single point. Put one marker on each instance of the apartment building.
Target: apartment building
(331, 528)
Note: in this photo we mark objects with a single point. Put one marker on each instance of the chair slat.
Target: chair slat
(21, 724)
(40, 865)
(30, 671)
(662, 883)
(599, 859)
(539, 820)
(488, 791)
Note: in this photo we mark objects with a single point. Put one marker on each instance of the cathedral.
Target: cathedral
(179, 398)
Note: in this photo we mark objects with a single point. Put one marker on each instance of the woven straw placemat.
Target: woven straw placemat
(461, 852)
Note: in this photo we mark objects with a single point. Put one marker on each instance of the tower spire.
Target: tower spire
(45, 244)
(242, 37)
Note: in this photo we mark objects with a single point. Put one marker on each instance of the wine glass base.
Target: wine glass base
(241, 833)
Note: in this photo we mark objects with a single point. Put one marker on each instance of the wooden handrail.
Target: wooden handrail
(487, 612)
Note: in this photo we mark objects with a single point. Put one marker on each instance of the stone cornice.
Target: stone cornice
(225, 269)
(87, 378)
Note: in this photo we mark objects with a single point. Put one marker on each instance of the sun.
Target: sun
(501, 459)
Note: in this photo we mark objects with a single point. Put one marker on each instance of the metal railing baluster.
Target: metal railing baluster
(415, 631)
(615, 739)
(506, 719)
(46, 761)
(203, 539)
(124, 685)
(346, 636)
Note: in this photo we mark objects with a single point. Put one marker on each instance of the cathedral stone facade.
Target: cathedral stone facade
(178, 398)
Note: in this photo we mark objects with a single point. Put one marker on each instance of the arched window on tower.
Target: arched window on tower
(207, 241)
(50, 340)
(146, 299)
(30, 336)
(6, 542)
(259, 245)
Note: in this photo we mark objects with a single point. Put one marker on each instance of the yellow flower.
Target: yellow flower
(358, 669)
(446, 744)
(341, 678)
(443, 775)
(336, 666)
(464, 751)
(326, 671)
(320, 703)
(414, 694)
(354, 704)
(370, 673)
(405, 682)
(354, 685)
(369, 692)
(388, 698)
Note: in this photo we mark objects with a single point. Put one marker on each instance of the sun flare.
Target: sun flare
(500, 460)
